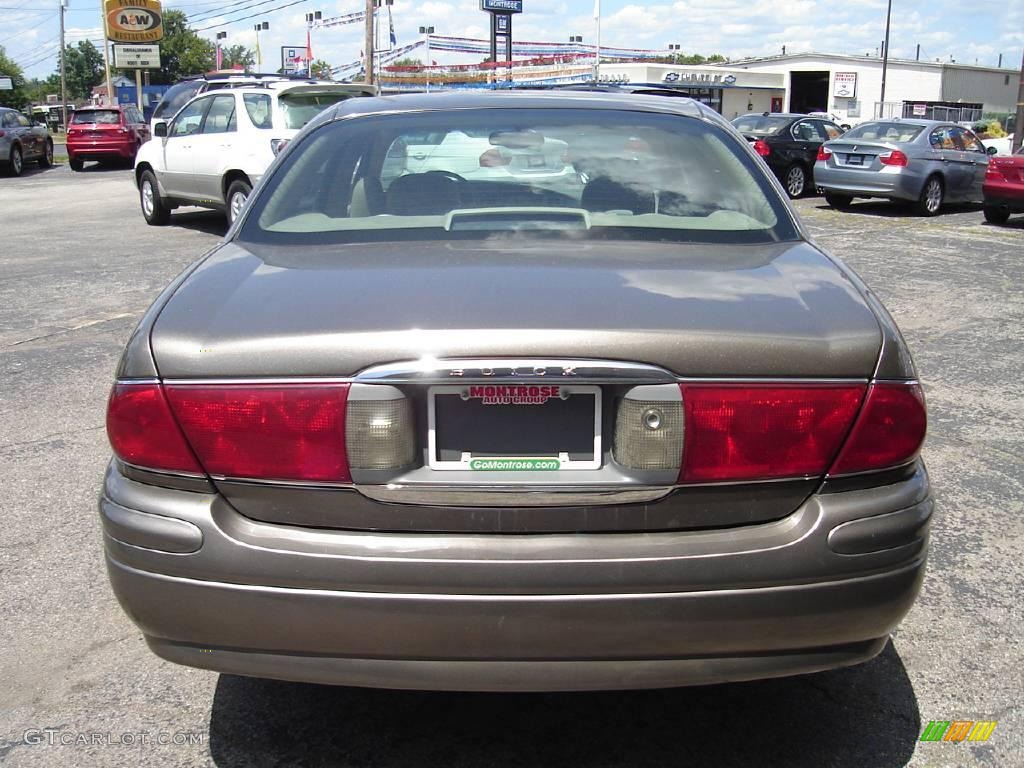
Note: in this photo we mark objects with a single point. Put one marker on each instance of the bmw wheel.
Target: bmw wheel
(46, 161)
(995, 214)
(238, 193)
(838, 201)
(930, 202)
(796, 181)
(15, 163)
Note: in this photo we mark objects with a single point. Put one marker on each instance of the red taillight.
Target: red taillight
(994, 171)
(762, 148)
(895, 157)
(493, 158)
(143, 432)
(824, 154)
(756, 432)
(2, 134)
(889, 431)
(266, 431)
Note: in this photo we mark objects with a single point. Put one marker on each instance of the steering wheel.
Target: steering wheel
(449, 175)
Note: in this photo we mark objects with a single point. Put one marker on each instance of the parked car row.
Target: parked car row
(925, 163)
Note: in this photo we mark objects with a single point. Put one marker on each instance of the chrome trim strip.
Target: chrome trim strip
(163, 472)
(901, 465)
(285, 483)
(257, 380)
(457, 370)
(504, 496)
(582, 379)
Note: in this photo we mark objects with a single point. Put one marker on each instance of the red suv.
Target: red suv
(105, 133)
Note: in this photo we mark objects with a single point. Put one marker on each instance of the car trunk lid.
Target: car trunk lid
(695, 310)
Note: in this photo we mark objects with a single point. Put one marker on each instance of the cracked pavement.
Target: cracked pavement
(78, 265)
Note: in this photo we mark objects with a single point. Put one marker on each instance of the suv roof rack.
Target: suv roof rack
(228, 75)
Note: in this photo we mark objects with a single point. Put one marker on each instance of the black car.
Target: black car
(789, 144)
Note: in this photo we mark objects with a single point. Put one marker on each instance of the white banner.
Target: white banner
(132, 56)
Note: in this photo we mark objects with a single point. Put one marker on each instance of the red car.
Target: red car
(105, 133)
(1004, 187)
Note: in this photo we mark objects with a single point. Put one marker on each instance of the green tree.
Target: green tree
(182, 51)
(320, 69)
(237, 56)
(83, 69)
(408, 61)
(37, 90)
(14, 98)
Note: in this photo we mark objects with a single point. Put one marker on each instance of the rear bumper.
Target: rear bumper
(92, 149)
(893, 183)
(501, 612)
(1004, 195)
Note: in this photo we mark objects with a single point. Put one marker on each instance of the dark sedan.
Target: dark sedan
(789, 145)
(23, 140)
(621, 426)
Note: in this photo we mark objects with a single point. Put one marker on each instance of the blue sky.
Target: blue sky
(944, 28)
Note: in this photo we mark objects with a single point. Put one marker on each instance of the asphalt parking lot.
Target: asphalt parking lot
(78, 686)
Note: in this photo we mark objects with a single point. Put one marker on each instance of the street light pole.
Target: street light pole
(1018, 122)
(597, 48)
(311, 19)
(427, 32)
(63, 82)
(259, 53)
(885, 58)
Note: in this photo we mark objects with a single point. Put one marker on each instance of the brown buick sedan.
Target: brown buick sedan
(515, 392)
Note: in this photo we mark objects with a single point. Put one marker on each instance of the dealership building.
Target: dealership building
(847, 86)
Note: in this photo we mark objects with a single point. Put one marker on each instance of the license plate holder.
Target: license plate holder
(855, 159)
(514, 427)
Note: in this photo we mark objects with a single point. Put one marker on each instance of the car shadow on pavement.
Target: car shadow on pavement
(201, 220)
(899, 210)
(863, 715)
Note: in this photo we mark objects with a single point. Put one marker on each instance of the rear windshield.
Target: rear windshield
(105, 116)
(174, 99)
(472, 174)
(759, 125)
(297, 109)
(884, 132)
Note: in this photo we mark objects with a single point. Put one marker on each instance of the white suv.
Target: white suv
(221, 142)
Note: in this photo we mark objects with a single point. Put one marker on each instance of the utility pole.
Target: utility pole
(1018, 123)
(368, 42)
(106, 54)
(885, 59)
(597, 48)
(63, 79)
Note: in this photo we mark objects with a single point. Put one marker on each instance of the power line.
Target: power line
(219, 11)
(214, 14)
(22, 32)
(243, 18)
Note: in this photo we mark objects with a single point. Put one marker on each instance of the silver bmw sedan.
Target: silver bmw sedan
(922, 162)
(612, 424)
